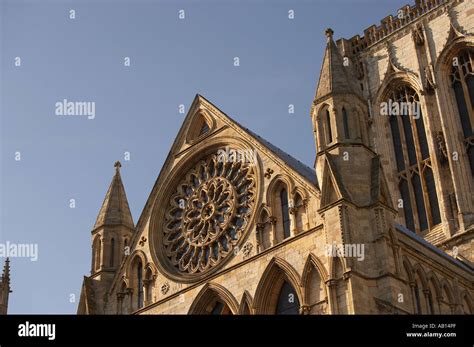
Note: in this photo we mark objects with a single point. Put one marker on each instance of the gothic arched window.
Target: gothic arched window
(97, 254)
(328, 127)
(285, 213)
(148, 285)
(264, 230)
(462, 82)
(112, 252)
(345, 121)
(139, 285)
(416, 181)
(288, 302)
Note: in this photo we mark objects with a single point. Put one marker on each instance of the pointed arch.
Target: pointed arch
(314, 261)
(246, 304)
(263, 209)
(200, 125)
(397, 79)
(447, 299)
(466, 303)
(278, 197)
(149, 282)
(405, 120)
(314, 280)
(325, 119)
(273, 185)
(419, 289)
(338, 290)
(277, 273)
(337, 267)
(122, 297)
(96, 253)
(136, 273)
(395, 249)
(408, 269)
(264, 229)
(137, 254)
(420, 272)
(213, 297)
(434, 283)
(324, 125)
(455, 43)
(150, 267)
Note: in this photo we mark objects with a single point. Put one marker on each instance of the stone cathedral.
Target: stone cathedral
(383, 223)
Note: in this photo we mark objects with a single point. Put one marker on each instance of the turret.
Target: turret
(112, 231)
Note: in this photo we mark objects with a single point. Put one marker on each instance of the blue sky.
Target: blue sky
(82, 59)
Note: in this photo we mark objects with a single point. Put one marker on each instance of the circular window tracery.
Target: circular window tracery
(208, 214)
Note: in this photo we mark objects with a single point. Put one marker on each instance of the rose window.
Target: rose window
(208, 214)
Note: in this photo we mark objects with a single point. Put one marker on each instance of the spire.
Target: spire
(334, 76)
(115, 209)
(5, 288)
(6, 272)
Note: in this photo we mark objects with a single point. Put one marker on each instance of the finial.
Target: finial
(329, 32)
(117, 166)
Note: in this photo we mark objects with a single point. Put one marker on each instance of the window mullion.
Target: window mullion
(414, 206)
(426, 197)
(467, 98)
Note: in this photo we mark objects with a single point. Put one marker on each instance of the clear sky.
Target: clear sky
(171, 59)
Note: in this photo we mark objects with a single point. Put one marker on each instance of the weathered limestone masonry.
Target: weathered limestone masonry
(382, 224)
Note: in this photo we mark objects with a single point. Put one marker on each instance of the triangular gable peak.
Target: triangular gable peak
(202, 111)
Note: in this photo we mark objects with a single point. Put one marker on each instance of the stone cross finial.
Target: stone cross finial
(117, 165)
(329, 32)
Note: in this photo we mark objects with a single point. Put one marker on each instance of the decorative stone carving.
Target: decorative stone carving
(268, 173)
(247, 250)
(418, 35)
(430, 86)
(442, 146)
(142, 241)
(208, 214)
(305, 309)
(165, 287)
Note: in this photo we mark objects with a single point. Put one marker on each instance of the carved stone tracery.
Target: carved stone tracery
(208, 214)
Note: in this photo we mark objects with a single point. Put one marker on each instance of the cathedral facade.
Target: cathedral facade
(383, 223)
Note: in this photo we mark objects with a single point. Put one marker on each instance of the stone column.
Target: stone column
(332, 302)
(259, 237)
(273, 222)
(293, 211)
(413, 295)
